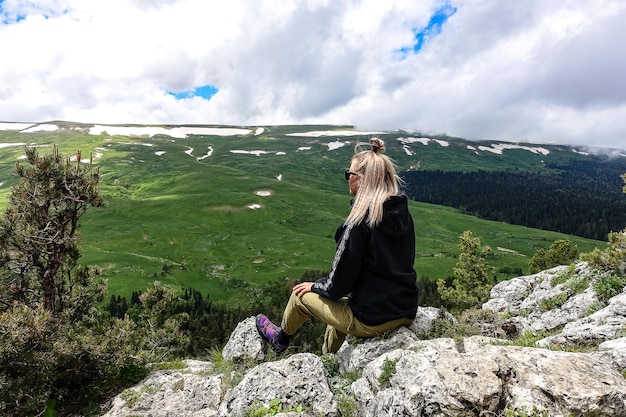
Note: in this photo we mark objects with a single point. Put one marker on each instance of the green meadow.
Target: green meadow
(227, 222)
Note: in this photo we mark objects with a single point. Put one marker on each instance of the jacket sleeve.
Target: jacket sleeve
(347, 264)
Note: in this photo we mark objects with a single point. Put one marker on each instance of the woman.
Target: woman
(371, 287)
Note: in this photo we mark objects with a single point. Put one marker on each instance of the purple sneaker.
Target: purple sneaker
(270, 332)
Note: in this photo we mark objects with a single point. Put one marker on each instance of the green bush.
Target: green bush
(388, 370)
(612, 259)
(523, 412)
(44, 358)
(608, 286)
(560, 252)
(547, 304)
(471, 322)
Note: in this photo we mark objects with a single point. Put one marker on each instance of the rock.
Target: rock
(183, 393)
(602, 325)
(296, 380)
(355, 354)
(245, 342)
(488, 379)
(525, 299)
(613, 352)
(509, 296)
(574, 308)
(425, 318)
(403, 374)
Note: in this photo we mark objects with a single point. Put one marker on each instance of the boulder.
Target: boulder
(605, 324)
(355, 353)
(424, 319)
(192, 391)
(613, 352)
(488, 379)
(298, 380)
(524, 300)
(244, 343)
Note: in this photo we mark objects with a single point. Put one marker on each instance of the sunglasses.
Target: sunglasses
(347, 174)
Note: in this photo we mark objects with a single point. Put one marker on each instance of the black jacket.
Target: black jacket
(374, 266)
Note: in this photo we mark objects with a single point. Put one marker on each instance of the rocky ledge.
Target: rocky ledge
(405, 374)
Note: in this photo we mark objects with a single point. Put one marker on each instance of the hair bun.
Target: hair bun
(378, 145)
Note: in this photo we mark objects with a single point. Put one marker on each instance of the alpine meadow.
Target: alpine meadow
(225, 209)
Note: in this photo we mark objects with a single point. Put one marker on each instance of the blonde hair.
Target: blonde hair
(377, 182)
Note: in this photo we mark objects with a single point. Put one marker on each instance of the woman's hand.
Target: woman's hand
(302, 288)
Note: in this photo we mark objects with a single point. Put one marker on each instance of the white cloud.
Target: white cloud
(538, 70)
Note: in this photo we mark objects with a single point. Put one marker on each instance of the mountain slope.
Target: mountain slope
(222, 208)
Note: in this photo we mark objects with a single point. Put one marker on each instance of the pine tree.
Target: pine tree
(470, 286)
(38, 234)
(55, 343)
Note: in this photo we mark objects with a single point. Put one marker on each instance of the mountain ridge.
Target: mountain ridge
(354, 131)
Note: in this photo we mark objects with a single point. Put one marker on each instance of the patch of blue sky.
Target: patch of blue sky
(8, 16)
(431, 30)
(205, 92)
(3, 15)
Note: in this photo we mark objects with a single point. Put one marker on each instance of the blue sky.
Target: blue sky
(540, 71)
(431, 30)
(205, 92)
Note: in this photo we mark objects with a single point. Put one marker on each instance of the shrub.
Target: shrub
(273, 408)
(57, 348)
(613, 258)
(560, 252)
(471, 322)
(608, 286)
(547, 304)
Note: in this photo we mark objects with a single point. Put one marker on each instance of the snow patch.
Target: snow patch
(263, 193)
(318, 133)
(257, 153)
(41, 128)
(175, 132)
(259, 130)
(336, 145)
(254, 206)
(7, 145)
(208, 153)
(498, 148)
(15, 126)
(159, 153)
(303, 148)
(406, 141)
(279, 177)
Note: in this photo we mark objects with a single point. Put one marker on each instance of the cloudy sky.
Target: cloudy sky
(541, 71)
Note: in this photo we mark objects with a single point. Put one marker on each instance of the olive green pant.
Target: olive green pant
(338, 316)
